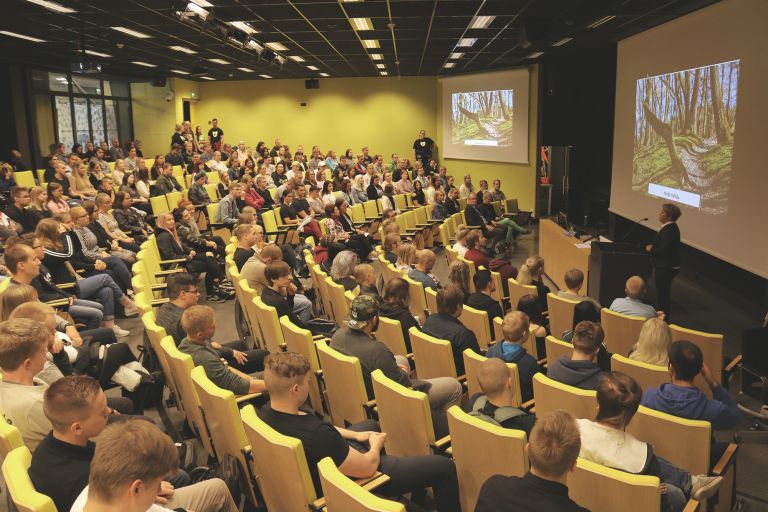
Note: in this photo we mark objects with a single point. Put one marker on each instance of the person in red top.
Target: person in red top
(252, 197)
(474, 242)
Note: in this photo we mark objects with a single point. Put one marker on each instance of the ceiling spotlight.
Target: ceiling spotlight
(449, 64)
(145, 64)
(383, 73)
(562, 41)
(245, 27)
(277, 47)
(220, 61)
(466, 42)
(313, 68)
(253, 45)
(324, 74)
(296, 58)
(377, 56)
(203, 3)
(21, 36)
(371, 43)
(381, 66)
(183, 49)
(246, 70)
(455, 55)
(265, 76)
(195, 9)
(597, 23)
(130, 32)
(361, 23)
(180, 72)
(534, 55)
(53, 6)
(207, 78)
(481, 21)
(97, 54)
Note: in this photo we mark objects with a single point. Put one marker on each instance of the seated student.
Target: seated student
(633, 304)
(516, 331)
(497, 397)
(653, 343)
(422, 272)
(127, 472)
(531, 273)
(357, 340)
(246, 237)
(474, 242)
(78, 412)
(396, 299)
(481, 299)
(389, 245)
(183, 294)
(681, 398)
(581, 369)
(605, 441)
(553, 448)
(200, 326)
(281, 292)
(574, 279)
(445, 325)
(342, 270)
(357, 450)
(365, 277)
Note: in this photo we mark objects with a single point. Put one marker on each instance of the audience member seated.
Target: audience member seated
(458, 275)
(183, 294)
(474, 242)
(407, 256)
(516, 331)
(581, 369)
(445, 325)
(197, 192)
(531, 273)
(103, 239)
(496, 401)
(281, 291)
(502, 264)
(130, 219)
(653, 344)
(460, 245)
(127, 472)
(512, 228)
(606, 442)
(681, 398)
(531, 306)
(633, 304)
(396, 300)
(553, 448)
(422, 272)
(228, 211)
(108, 222)
(452, 201)
(475, 218)
(191, 236)
(389, 245)
(482, 299)
(356, 450)
(357, 340)
(200, 326)
(574, 280)
(365, 277)
(57, 201)
(246, 237)
(27, 218)
(294, 215)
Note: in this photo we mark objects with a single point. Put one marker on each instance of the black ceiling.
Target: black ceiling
(425, 33)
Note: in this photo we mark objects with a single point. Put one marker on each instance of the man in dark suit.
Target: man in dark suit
(474, 217)
(665, 255)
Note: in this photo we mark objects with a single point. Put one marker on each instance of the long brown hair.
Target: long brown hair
(47, 231)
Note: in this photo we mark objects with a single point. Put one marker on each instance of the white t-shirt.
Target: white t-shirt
(79, 504)
(611, 447)
(22, 406)
(461, 250)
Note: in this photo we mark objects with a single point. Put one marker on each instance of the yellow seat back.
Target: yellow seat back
(647, 375)
(390, 333)
(602, 489)
(173, 199)
(472, 362)
(418, 301)
(343, 495)
(345, 391)
(431, 297)
(552, 395)
(270, 326)
(300, 341)
(477, 322)
(560, 314)
(621, 331)
(433, 356)
(10, 438)
(556, 349)
(24, 179)
(22, 491)
(159, 205)
(517, 290)
(339, 302)
(711, 346)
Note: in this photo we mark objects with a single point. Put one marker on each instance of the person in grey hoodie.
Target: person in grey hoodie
(581, 369)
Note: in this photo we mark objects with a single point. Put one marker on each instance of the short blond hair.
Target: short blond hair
(554, 444)
(515, 325)
(196, 319)
(20, 339)
(362, 271)
(493, 376)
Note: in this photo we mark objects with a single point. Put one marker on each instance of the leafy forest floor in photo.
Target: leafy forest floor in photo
(707, 167)
(495, 129)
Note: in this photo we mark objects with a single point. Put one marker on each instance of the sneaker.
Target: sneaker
(214, 297)
(703, 487)
(130, 311)
(227, 284)
(225, 292)
(120, 333)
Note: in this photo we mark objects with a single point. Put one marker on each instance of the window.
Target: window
(72, 108)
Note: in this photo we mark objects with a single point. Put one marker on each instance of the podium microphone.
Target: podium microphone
(631, 229)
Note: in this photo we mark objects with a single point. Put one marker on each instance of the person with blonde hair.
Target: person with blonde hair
(515, 329)
(652, 345)
(39, 200)
(530, 274)
(460, 246)
(81, 187)
(406, 257)
(458, 274)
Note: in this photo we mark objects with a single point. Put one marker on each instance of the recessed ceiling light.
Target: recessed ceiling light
(179, 72)
(604, 19)
(145, 64)
(277, 47)
(22, 36)
(207, 78)
(134, 33)
(455, 55)
(247, 70)
(534, 55)
(296, 58)
(562, 41)
(53, 6)
(481, 21)
(383, 73)
(203, 3)
(253, 45)
(220, 61)
(313, 68)
(371, 43)
(97, 54)
(377, 56)
(183, 49)
(361, 23)
(449, 64)
(324, 74)
(466, 42)
(265, 76)
(245, 27)
(381, 66)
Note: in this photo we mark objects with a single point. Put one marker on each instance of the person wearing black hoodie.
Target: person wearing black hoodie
(581, 369)
(482, 299)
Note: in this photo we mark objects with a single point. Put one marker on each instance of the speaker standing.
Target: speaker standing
(665, 256)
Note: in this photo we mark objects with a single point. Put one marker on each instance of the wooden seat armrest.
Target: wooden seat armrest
(728, 458)
(372, 482)
(283, 347)
(66, 285)
(172, 261)
(442, 443)
(530, 404)
(319, 373)
(80, 271)
(159, 286)
(160, 302)
(58, 302)
(320, 337)
(462, 378)
(449, 451)
(244, 398)
(422, 225)
(732, 365)
(474, 227)
(318, 504)
(169, 272)
(542, 362)
(692, 506)
(370, 404)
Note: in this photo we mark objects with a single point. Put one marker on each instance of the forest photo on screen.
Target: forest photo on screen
(482, 118)
(684, 131)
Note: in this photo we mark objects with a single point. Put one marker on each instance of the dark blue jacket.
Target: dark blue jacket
(527, 366)
(447, 327)
(691, 403)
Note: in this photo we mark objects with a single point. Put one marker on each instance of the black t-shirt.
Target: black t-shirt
(241, 256)
(527, 494)
(215, 134)
(60, 470)
(288, 212)
(177, 138)
(64, 182)
(423, 147)
(320, 439)
(300, 205)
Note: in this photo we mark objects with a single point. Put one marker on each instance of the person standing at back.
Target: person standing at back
(215, 135)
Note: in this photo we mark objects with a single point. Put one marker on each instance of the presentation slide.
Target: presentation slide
(685, 125)
(485, 116)
(689, 129)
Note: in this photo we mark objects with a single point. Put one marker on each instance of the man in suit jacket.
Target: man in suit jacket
(665, 255)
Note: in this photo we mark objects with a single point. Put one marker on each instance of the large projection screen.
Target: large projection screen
(485, 116)
(691, 116)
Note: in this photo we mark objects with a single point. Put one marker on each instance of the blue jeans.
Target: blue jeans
(302, 306)
(678, 484)
(104, 289)
(89, 312)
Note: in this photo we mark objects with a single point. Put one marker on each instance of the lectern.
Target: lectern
(610, 265)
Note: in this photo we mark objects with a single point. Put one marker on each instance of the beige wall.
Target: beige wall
(153, 118)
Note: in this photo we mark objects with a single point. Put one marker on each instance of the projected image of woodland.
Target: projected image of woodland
(482, 118)
(684, 129)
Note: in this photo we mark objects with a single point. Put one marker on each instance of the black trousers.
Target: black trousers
(416, 473)
(213, 273)
(663, 277)
(255, 357)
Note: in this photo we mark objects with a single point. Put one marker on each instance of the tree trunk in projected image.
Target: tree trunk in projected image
(475, 119)
(503, 106)
(722, 127)
(664, 130)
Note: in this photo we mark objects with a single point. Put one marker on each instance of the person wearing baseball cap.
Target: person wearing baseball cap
(358, 340)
